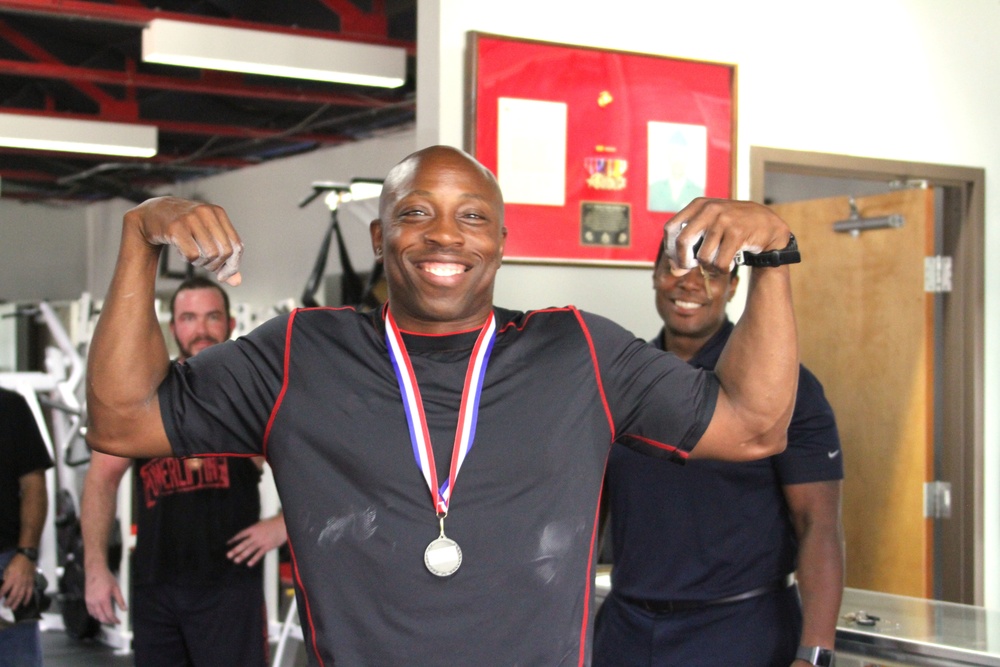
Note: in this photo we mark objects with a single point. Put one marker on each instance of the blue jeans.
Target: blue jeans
(21, 643)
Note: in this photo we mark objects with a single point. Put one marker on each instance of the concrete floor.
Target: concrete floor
(61, 650)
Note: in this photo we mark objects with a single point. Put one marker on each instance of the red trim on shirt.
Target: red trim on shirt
(305, 599)
(597, 372)
(530, 313)
(284, 382)
(590, 568)
(288, 354)
(660, 445)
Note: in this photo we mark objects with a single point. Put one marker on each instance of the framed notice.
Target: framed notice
(595, 150)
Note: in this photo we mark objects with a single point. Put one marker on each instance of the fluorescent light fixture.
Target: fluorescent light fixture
(71, 135)
(359, 189)
(365, 188)
(340, 193)
(272, 53)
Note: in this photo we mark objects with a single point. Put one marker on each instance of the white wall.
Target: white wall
(42, 252)
(913, 80)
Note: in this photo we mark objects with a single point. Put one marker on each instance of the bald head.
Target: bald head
(433, 157)
(440, 238)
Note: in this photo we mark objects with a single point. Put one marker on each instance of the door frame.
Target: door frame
(959, 572)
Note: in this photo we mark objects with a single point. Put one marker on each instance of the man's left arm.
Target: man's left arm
(19, 575)
(815, 514)
(759, 367)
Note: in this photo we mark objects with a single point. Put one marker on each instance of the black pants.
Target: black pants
(201, 626)
(760, 632)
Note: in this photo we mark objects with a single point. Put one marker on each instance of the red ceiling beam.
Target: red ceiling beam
(358, 22)
(110, 106)
(140, 16)
(204, 129)
(25, 175)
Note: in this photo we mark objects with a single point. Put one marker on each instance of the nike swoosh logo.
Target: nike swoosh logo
(834, 454)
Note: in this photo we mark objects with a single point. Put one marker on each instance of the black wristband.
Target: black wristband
(787, 255)
(29, 552)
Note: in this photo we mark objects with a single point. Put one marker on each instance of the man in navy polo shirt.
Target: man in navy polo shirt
(703, 554)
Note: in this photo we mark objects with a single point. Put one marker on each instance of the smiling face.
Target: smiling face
(440, 237)
(692, 306)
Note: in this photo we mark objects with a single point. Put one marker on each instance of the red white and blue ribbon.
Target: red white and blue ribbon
(413, 405)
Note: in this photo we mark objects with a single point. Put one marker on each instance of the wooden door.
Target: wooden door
(866, 330)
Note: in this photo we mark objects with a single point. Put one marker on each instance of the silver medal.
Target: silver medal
(442, 557)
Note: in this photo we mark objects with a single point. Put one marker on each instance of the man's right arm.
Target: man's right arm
(128, 357)
(97, 514)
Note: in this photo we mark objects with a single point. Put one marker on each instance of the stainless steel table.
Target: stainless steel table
(914, 631)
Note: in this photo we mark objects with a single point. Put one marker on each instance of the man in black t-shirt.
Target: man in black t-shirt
(357, 413)
(197, 587)
(23, 506)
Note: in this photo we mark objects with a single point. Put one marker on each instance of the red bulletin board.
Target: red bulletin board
(616, 125)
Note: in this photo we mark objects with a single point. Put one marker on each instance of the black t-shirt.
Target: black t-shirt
(315, 391)
(712, 529)
(186, 510)
(22, 450)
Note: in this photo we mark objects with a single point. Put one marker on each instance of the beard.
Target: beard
(195, 346)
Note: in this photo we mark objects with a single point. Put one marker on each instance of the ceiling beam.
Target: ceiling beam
(355, 21)
(26, 175)
(140, 16)
(208, 130)
(110, 106)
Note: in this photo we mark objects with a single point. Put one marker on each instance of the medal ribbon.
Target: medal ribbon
(413, 405)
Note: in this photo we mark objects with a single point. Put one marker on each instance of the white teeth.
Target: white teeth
(687, 304)
(444, 269)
